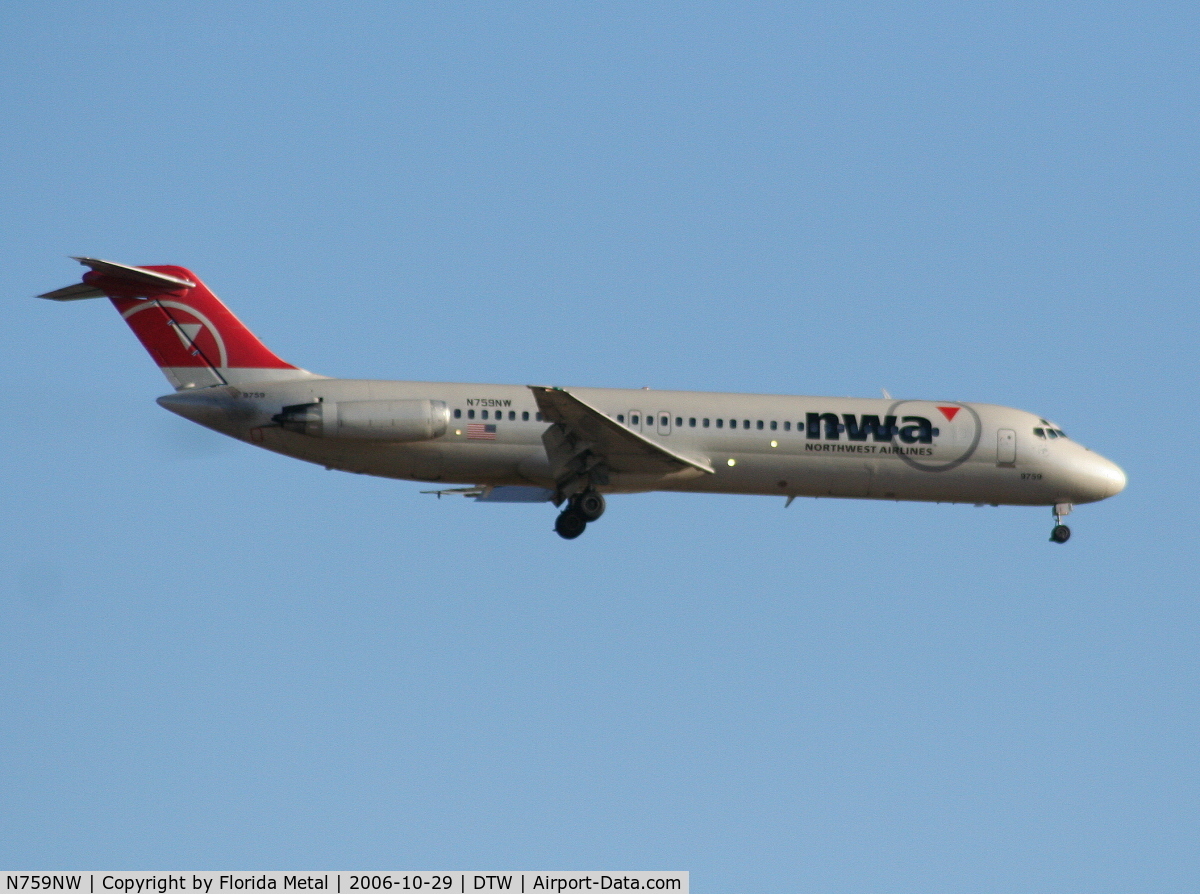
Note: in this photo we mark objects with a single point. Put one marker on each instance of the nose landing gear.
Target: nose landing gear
(1061, 533)
(582, 508)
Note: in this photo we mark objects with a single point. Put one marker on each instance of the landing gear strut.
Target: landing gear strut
(582, 508)
(1061, 533)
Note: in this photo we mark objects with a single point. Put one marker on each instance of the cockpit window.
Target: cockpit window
(1040, 432)
(1051, 430)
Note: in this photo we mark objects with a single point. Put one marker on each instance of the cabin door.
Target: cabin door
(1006, 447)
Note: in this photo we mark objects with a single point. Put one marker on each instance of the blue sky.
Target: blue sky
(214, 657)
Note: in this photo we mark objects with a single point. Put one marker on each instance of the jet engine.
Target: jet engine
(374, 420)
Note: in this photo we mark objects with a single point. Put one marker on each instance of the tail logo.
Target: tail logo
(195, 331)
(187, 333)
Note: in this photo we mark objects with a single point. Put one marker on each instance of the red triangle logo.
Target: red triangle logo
(950, 412)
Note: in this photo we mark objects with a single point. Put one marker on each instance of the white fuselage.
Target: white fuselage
(754, 443)
(509, 443)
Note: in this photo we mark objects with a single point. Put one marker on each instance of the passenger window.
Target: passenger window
(692, 422)
(720, 423)
(470, 414)
(483, 415)
(746, 423)
(633, 420)
(706, 422)
(525, 416)
(787, 426)
(759, 425)
(774, 425)
(679, 422)
(621, 418)
(458, 414)
(538, 416)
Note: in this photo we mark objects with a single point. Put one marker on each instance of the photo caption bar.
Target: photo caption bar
(341, 882)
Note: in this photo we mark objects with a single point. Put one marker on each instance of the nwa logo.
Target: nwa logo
(906, 431)
(915, 430)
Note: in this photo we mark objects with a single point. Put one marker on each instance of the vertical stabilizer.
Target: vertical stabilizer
(196, 340)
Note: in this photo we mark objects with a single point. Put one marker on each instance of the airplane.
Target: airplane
(574, 446)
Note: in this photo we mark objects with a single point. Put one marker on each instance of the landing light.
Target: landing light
(774, 443)
(732, 461)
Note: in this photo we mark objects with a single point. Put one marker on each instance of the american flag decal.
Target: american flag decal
(481, 431)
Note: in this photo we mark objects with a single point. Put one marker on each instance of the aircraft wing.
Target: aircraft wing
(621, 449)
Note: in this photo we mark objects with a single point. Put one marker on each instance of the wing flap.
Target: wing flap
(504, 493)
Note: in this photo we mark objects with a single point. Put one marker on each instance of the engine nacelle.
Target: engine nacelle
(369, 420)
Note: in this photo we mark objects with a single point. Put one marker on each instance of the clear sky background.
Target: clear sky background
(215, 657)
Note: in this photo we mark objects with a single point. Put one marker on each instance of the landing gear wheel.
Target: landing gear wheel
(590, 504)
(1060, 534)
(570, 524)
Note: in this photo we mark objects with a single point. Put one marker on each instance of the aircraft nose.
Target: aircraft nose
(1114, 477)
(1104, 477)
(1088, 476)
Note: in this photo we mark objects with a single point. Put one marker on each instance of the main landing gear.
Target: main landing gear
(582, 508)
(1061, 533)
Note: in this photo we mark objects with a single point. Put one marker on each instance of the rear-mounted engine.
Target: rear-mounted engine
(373, 420)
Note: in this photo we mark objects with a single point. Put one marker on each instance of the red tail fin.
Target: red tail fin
(194, 338)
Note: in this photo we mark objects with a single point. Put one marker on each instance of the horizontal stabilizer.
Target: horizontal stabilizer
(136, 275)
(77, 292)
